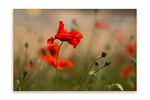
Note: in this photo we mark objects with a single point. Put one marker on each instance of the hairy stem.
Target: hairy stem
(84, 79)
(87, 85)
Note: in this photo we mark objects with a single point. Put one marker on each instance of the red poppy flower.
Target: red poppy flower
(131, 48)
(62, 34)
(49, 54)
(127, 71)
(50, 40)
(53, 49)
(75, 38)
(50, 49)
(101, 24)
(72, 37)
(61, 64)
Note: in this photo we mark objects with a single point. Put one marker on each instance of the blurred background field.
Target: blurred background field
(104, 30)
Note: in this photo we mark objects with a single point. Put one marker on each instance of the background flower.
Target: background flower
(127, 71)
(49, 55)
(131, 48)
(51, 60)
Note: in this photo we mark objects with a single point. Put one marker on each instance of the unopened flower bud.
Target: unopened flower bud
(104, 54)
(25, 73)
(107, 63)
(26, 45)
(31, 62)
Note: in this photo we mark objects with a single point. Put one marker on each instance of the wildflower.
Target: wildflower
(131, 48)
(49, 55)
(101, 24)
(26, 45)
(107, 63)
(127, 71)
(53, 49)
(72, 37)
(61, 64)
(50, 40)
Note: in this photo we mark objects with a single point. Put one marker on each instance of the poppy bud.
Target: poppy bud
(25, 73)
(107, 63)
(31, 62)
(104, 54)
(96, 63)
(26, 45)
(43, 51)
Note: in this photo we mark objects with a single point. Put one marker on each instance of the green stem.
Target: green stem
(84, 79)
(87, 85)
(57, 64)
(20, 83)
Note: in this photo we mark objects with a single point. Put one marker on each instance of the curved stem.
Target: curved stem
(88, 72)
(94, 74)
(26, 61)
(20, 83)
(57, 63)
(58, 54)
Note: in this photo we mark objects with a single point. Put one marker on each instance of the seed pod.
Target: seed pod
(24, 73)
(96, 63)
(104, 54)
(26, 45)
(107, 63)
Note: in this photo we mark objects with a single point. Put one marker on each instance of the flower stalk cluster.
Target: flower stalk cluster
(85, 82)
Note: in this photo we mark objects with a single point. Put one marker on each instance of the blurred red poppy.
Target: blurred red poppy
(101, 24)
(131, 48)
(62, 34)
(50, 40)
(60, 65)
(72, 37)
(49, 54)
(53, 49)
(127, 71)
